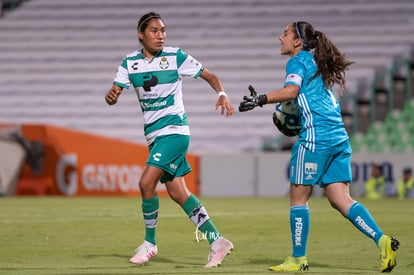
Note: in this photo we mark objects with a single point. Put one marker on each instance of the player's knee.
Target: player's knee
(146, 186)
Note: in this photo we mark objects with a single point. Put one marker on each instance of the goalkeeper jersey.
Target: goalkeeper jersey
(322, 127)
(157, 83)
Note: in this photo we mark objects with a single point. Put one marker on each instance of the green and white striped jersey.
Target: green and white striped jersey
(157, 83)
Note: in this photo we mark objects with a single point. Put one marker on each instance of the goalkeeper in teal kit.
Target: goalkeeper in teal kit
(322, 154)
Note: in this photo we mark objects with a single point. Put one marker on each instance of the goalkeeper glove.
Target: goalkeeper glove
(252, 101)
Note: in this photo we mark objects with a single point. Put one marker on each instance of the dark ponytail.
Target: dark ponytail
(331, 63)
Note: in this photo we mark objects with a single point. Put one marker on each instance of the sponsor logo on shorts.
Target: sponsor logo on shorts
(156, 156)
(311, 169)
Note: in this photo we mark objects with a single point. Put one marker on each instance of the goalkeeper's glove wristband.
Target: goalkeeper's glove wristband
(261, 100)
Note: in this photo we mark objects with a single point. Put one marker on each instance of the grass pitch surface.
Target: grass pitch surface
(58, 235)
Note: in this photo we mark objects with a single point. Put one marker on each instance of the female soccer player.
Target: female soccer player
(322, 152)
(156, 73)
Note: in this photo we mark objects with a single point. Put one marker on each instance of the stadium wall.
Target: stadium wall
(267, 174)
(81, 164)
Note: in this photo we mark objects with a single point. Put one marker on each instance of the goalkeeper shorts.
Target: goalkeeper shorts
(310, 168)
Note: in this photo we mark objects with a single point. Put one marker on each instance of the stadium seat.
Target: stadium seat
(394, 142)
(390, 125)
(373, 146)
(355, 144)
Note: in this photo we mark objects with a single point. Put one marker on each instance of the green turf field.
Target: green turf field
(98, 235)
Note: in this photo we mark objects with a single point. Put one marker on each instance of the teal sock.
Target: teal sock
(150, 212)
(299, 227)
(198, 215)
(363, 220)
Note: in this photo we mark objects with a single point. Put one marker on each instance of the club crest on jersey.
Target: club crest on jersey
(164, 63)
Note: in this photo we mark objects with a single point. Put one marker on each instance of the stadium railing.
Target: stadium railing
(401, 68)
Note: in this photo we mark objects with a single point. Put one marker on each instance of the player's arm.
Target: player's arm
(216, 84)
(112, 95)
(287, 93)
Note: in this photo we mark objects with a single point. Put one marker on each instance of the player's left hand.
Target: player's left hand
(226, 106)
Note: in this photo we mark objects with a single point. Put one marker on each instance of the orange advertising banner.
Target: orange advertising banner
(82, 164)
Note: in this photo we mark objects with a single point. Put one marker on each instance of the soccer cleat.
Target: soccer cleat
(292, 264)
(388, 247)
(219, 249)
(144, 253)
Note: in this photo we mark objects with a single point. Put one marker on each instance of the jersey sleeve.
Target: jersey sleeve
(295, 72)
(122, 76)
(188, 65)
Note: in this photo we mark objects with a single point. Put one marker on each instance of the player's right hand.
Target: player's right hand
(112, 95)
(252, 101)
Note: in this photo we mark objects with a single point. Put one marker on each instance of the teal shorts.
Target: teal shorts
(310, 168)
(168, 153)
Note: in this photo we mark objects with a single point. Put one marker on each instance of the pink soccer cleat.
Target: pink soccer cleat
(144, 253)
(219, 249)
